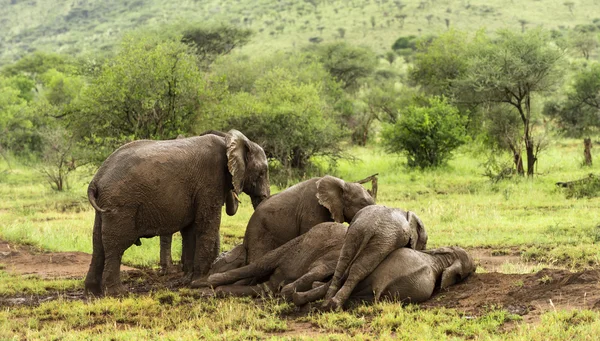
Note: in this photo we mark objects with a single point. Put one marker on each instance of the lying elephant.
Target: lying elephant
(406, 275)
(294, 211)
(374, 233)
(296, 264)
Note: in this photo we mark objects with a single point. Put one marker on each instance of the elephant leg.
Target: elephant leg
(363, 265)
(239, 290)
(305, 282)
(317, 293)
(117, 235)
(206, 231)
(354, 244)
(166, 262)
(188, 247)
(93, 280)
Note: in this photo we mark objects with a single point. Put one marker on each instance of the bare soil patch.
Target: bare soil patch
(528, 295)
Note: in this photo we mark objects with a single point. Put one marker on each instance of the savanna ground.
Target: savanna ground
(538, 275)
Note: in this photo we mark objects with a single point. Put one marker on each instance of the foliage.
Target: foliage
(210, 42)
(346, 63)
(584, 188)
(150, 90)
(427, 135)
(287, 117)
(60, 156)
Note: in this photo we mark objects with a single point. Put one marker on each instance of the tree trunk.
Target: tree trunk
(518, 159)
(587, 151)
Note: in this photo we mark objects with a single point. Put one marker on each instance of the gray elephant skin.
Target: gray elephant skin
(374, 233)
(156, 188)
(294, 211)
(294, 266)
(407, 276)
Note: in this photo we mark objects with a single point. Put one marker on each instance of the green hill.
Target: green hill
(88, 26)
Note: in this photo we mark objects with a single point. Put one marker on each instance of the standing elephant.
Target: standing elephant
(166, 261)
(406, 275)
(373, 234)
(297, 209)
(295, 265)
(151, 188)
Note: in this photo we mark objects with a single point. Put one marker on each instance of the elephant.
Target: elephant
(155, 188)
(166, 261)
(297, 209)
(296, 264)
(406, 275)
(373, 234)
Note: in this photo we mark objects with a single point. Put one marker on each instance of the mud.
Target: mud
(527, 295)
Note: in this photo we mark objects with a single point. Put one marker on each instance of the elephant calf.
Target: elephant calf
(296, 264)
(374, 233)
(406, 275)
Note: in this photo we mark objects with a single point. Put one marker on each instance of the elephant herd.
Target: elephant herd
(296, 243)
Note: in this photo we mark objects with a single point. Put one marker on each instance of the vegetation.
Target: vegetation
(348, 88)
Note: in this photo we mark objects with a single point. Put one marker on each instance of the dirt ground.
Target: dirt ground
(528, 295)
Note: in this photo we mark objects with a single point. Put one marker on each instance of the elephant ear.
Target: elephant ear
(330, 193)
(237, 149)
(451, 274)
(418, 235)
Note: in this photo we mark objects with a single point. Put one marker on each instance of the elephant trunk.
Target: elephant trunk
(256, 200)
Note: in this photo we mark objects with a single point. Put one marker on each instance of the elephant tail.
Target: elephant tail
(92, 194)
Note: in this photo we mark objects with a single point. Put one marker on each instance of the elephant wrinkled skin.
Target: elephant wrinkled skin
(296, 264)
(374, 233)
(156, 188)
(406, 275)
(294, 211)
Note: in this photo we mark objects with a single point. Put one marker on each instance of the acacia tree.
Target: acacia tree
(511, 70)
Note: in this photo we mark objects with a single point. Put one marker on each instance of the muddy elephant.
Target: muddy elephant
(374, 233)
(154, 188)
(406, 275)
(294, 266)
(297, 209)
(166, 241)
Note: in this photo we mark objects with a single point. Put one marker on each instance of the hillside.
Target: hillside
(88, 26)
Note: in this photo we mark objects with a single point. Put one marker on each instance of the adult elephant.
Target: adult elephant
(151, 188)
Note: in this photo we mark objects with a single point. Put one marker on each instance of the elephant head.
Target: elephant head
(247, 164)
(460, 264)
(418, 235)
(342, 199)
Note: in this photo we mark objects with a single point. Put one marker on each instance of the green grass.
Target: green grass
(92, 26)
(458, 205)
(184, 317)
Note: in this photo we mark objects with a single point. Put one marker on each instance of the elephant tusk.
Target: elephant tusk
(236, 197)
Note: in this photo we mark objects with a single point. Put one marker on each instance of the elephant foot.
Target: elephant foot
(201, 282)
(94, 290)
(299, 299)
(288, 292)
(331, 305)
(114, 290)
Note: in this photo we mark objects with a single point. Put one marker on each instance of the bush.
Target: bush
(427, 135)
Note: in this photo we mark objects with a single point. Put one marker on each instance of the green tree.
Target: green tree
(513, 69)
(427, 135)
(150, 90)
(579, 113)
(289, 118)
(208, 43)
(346, 63)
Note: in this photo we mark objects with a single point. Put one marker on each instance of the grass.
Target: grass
(95, 26)
(458, 205)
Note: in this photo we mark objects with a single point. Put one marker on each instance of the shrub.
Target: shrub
(427, 135)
